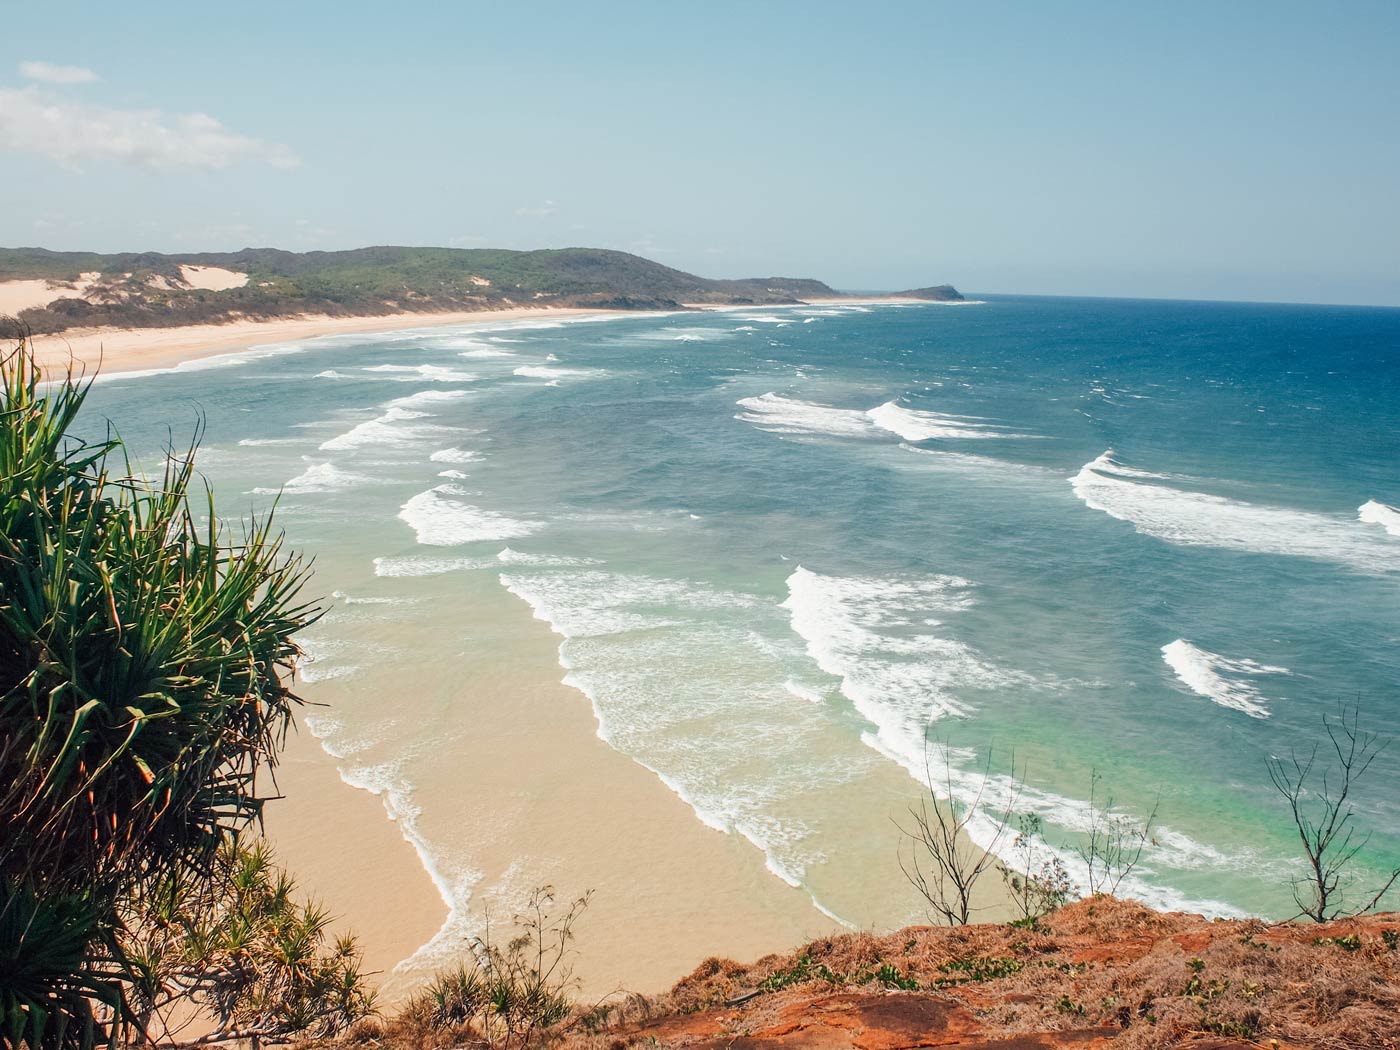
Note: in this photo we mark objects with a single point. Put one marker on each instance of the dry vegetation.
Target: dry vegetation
(1100, 970)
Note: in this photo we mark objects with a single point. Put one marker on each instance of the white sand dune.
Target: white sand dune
(213, 278)
(24, 295)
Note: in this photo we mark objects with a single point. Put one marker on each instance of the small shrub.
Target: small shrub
(509, 996)
(801, 972)
(241, 948)
(1065, 1005)
(1036, 884)
(888, 976)
(978, 968)
(1348, 943)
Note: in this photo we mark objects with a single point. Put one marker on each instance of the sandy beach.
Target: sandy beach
(138, 349)
(538, 790)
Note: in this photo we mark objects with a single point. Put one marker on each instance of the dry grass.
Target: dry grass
(1153, 979)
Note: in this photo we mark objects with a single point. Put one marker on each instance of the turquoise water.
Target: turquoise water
(1152, 539)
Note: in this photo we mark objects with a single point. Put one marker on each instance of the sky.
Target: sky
(1225, 151)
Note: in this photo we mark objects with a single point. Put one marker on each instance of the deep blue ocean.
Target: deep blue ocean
(1149, 540)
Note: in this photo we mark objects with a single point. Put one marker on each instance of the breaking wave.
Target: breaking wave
(320, 477)
(1190, 518)
(1227, 682)
(1381, 514)
(441, 521)
(388, 428)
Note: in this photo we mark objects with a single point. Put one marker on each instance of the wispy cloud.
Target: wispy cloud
(54, 74)
(539, 211)
(71, 132)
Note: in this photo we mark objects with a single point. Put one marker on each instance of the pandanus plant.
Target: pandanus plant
(145, 664)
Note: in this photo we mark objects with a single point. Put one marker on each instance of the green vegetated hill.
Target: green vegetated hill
(149, 289)
(939, 293)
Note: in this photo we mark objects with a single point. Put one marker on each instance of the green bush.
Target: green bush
(143, 667)
(243, 949)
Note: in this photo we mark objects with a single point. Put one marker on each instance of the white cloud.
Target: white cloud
(539, 211)
(52, 74)
(70, 133)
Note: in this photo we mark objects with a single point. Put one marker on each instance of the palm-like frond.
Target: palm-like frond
(144, 661)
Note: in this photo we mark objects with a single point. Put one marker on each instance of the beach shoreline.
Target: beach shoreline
(114, 351)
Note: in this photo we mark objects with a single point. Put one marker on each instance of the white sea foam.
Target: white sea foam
(262, 442)
(320, 477)
(455, 881)
(455, 475)
(879, 636)
(1191, 518)
(455, 455)
(321, 659)
(884, 639)
(549, 372)
(507, 556)
(1228, 682)
(383, 429)
(782, 415)
(419, 565)
(698, 695)
(913, 425)
(427, 398)
(685, 334)
(803, 692)
(390, 427)
(442, 521)
(1374, 513)
(418, 373)
(203, 364)
(682, 681)
(350, 599)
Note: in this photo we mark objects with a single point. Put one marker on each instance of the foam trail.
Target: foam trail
(913, 425)
(417, 373)
(1218, 678)
(1198, 519)
(319, 477)
(388, 428)
(1374, 513)
(454, 455)
(873, 634)
(455, 882)
(782, 415)
(418, 565)
(549, 372)
(441, 521)
(316, 660)
(686, 680)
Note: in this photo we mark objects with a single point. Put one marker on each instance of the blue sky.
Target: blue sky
(1235, 150)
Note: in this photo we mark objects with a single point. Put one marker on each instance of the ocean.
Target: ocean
(777, 549)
